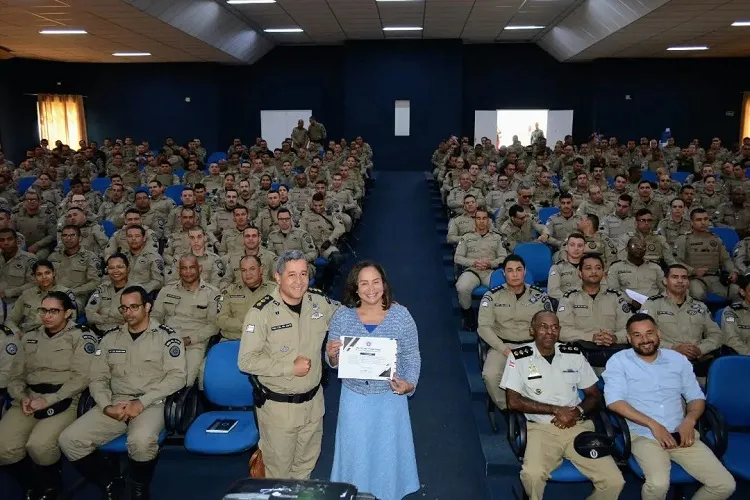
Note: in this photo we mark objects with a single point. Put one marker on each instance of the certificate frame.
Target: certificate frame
(367, 358)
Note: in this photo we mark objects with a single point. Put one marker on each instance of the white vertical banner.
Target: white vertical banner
(402, 118)
(559, 124)
(277, 125)
(485, 125)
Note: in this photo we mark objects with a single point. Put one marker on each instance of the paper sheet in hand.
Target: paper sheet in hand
(636, 296)
(367, 358)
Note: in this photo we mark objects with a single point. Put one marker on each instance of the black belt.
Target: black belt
(45, 388)
(291, 398)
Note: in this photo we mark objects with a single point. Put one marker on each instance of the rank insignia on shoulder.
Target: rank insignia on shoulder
(612, 290)
(316, 291)
(522, 352)
(496, 289)
(737, 307)
(569, 293)
(263, 302)
(570, 349)
(168, 329)
(654, 297)
(6, 330)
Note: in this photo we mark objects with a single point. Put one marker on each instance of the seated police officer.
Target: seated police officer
(647, 385)
(542, 379)
(593, 317)
(735, 321)
(238, 298)
(49, 371)
(135, 368)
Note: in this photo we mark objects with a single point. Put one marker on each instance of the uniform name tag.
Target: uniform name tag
(580, 307)
(31, 341)
(174, 296)
(117, 351)
(534, 376)
(668, 313)
(236, 296)
(281, 327)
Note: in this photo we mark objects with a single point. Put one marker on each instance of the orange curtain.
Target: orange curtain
(745, 116)
(61, 117)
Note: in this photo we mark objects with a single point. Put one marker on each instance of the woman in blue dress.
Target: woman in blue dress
(374, 446)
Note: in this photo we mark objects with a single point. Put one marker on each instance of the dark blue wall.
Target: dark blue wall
(352, 89)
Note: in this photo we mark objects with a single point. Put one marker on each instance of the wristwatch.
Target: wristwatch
(580, 412)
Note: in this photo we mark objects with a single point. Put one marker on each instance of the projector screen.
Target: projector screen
(502, 124)
(275, 126)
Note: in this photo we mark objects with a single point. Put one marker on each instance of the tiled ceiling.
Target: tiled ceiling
(212, 30)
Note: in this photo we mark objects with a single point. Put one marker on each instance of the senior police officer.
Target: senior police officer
(464, 223)
(15, 267)
(282, 337)
(479, 252)
(684, 322)
(239, 297)
(49, 371)
(190, 306)
(538, 379)
(136, 367)
(76, 268)
(504, 316)
(102, 308)
(593, 317)
(704, 255)
(635, 273)
(563, 275)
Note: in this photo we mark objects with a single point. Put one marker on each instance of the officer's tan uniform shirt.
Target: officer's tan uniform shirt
(93, 238)
(80, 272)
(322, 227)
(741, 256)
(703, 250)
(64, 358)
(690, 322)
(503, 317)
(729, 216)
(114, 212)
(735, 324)
(657, 249)
(671, 229)
(459, 226)
(560, 228)
(563, 277)
(267, 221)
(515, 235)
(24, 316)
(190, 313)
(533, 377)
(163, 204)
(237, 299)
(39, 229)
(646, 279)
(119, 242)
(653, 205)
(146, 268)
(500, 199)
(149, 368)
(234, 274)
(9, 344)
(15, 274)
(101, 309)
(455, 199)
(545, 196)
(179, 244)
(601, 210)
(232, 241)
(617, 229)
(213, 270)
(475, 246)
(581, 316)
(295, 239)
(273, 336)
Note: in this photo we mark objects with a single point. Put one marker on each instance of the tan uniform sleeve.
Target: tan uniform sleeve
(93, 277)
(540, 228)
(741, 257)
(157, 311)
(622, 314)
(17, 387)
(452, 236)
(228, 319)
(15, 316)
(725, 259)
(554, 282)
(254, 356)
(175, 371)
(732, 337)
(100, 377)
(680, 251)
(500, 251)
(93, 309)
(213, 311)
(486, 321)
(338, 228)
(568, 330)
(29, 283)
(84, 349)
(459, 257)
(713, 338)
(156, 273)
(308, 247)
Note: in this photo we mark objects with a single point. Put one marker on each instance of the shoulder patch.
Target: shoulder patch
(263, 302)
(737, 306)
(522, 352)
(168, 329)
(570, 349)
(569, 293)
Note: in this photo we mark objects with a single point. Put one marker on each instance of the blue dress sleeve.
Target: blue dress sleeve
(336, 329)
(409, 361)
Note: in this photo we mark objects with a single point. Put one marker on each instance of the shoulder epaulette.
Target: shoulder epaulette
(313, 290)
(738, 306)
(522, 352)
(570, 349)
(497, 288)
(615, 262)
(168, 329)
(6, 330)
(263, 302)
(83, 328)
(559, 261)
(110, 330)
(657, 296)
(616, 292)
(570, 292)
(534, 287)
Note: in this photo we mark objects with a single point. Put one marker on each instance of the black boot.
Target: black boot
(49, 481)
(21, 472)
(97, 469)
(469, 322)
(141, 474)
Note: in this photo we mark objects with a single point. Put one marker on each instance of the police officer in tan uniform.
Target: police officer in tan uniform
(232, 238)
(146, 265)
(15, 267)
(635, 272)
(239, 297)
(287, 237)
(735, 321)
(518, 228)
(50, 369)
(463, 224)
(179, 242)
(563, 223)
(563, 275)
(159, 201)
(286, 366)
(734, 214)
(150, 217)
(9, 341)
(35, 225)
(251, 240)
(505, 314)
(267, 217)
(102, 308)
(93, 237)
(325, 231)
(595, 203)
(540, 387)
(114, 208)
(213, 270)
(190, 306)
(741, 256)
(675, 224)
(685, 323)
(222, 218)
(137, 366)
(704, 256)
(119, 240)
(455, 200)
(657, 248)
(75, 268)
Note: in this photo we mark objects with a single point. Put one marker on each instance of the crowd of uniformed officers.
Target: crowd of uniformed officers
(130, 317)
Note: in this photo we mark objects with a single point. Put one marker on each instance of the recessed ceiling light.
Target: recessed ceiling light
(55, 31)
(284, 30)
(402, 28)
(688, 47)
(131, 54)
(741, 23)
(241, 2)
(523, 27)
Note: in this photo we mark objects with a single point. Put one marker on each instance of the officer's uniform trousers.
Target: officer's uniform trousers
(95, 428)
(291, 436)
(468, 281)
(492, 372)
(547, 445)
(22, 434)
(697, 460)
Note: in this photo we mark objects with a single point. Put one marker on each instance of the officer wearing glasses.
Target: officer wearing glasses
(135, 368)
